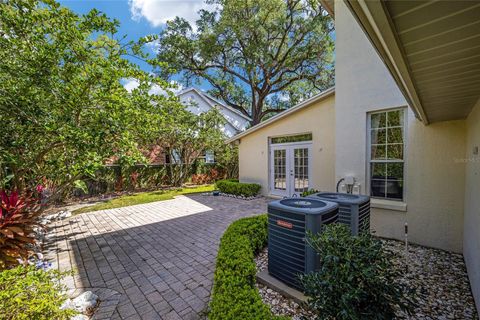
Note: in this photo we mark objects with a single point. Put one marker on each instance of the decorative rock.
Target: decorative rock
(68, 304)
(85, 301)
(439, 278)
(79, 317)
(239, 197)
(55, 216)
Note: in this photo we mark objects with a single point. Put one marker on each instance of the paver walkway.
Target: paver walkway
(160, 256)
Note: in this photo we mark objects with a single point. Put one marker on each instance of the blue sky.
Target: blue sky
(139, 17)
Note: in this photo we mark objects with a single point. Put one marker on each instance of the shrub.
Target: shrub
(234, 295)
(30, 293)
(205, 178)
(200, 178)
(232, 186)
(356, 280)
(18, 220)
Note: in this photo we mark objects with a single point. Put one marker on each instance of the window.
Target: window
(296, 138)
(209, 156)
(386, 154)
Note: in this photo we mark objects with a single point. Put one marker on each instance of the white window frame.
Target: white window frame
(369, 152)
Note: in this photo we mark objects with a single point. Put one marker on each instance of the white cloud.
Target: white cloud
(154, 46)
(131, 84)
(158, 12)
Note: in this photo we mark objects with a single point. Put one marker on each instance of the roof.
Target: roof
(432, 50)
(208, 98)
(322, 95)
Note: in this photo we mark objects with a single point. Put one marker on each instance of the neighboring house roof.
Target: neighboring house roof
(322, 95)
(213, 102)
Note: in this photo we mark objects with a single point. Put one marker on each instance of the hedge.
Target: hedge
(232, 186)
(234, 295)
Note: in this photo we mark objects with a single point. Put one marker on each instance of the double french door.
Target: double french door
(290, 169)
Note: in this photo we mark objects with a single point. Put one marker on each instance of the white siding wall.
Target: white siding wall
(471, 239)
(238, 121)
(435, 180)
(196, 104)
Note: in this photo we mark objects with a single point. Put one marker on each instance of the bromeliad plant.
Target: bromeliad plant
(19, 218)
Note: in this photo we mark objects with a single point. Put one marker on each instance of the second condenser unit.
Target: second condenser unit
(288, 222)
(353, 210)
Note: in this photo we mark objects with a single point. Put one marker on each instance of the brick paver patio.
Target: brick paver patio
(159, 257)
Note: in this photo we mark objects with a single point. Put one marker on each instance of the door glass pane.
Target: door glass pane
(301, 169)
(279, 169)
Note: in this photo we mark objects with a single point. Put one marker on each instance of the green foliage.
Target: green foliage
(185, 136)
(260, 56)
(63, 108)
(226, 160)
(232, 186)
(29, 293)
(143, 197)
(309, 192)
(234, 295)
(356, 280)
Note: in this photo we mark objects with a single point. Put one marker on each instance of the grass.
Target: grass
(143, 197)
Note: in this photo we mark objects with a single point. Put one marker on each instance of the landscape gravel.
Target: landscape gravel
(438, 277)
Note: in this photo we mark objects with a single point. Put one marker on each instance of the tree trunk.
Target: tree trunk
(257, 107)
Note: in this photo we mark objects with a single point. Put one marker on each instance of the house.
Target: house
(198, 102)
(401, 125)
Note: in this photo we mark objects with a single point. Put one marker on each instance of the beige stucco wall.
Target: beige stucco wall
(471, 243)
(319, 119)
(435, 177)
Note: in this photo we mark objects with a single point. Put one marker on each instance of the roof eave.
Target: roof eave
(375, 21)
(322, 95)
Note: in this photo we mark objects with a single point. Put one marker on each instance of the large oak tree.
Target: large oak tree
(259, 56)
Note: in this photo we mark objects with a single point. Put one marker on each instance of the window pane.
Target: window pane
(378, 170)
(394, 189)
(395, 151)
(297, 138)
(395, 135)
(395, 181)
(279, 170)
(395, 171)
(379, 136)
(378, 188)
(378, 120)
(301, 170)
(395, 118)
(378, 178)
(379, 152)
